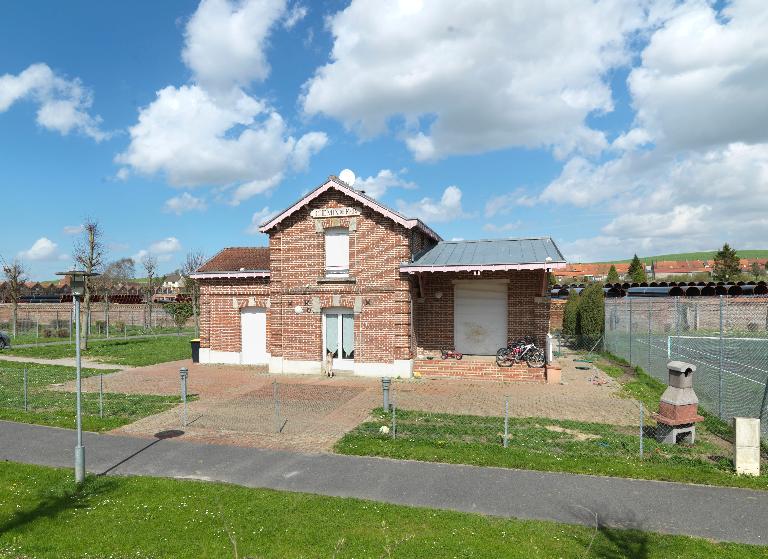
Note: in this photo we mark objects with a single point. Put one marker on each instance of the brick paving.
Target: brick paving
(236, 404)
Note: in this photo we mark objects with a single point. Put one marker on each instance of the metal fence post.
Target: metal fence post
(183, 373)
(641, 430)
(650, 309)
(385, 383)
(25, 389)
(394, 421)
(506, 422)
(101, 395)
(630, 330)
(720, 365)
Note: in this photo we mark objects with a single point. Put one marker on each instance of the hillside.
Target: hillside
(702, 255)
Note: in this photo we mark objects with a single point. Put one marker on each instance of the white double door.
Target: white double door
(339, 337)
(253, 331)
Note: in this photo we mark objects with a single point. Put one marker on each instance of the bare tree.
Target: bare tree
(89, 254)
(115, 274)
(192, 262)
(149, 264)
(15, 276)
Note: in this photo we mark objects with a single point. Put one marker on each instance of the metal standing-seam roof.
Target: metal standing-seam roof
(491, 254)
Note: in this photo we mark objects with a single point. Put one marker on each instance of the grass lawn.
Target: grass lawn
(136, 352)
(542, 444)
(43, 515)
(55, 408)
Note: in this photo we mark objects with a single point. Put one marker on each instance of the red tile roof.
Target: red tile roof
(234, 259)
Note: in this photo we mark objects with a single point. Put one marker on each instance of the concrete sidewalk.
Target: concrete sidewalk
(717, 513)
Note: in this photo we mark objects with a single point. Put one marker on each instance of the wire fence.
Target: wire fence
(725, 337)
(46, 394)
(40, 326)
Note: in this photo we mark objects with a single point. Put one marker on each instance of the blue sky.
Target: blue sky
(614, 127)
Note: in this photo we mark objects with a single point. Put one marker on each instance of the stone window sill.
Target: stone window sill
(336, 279)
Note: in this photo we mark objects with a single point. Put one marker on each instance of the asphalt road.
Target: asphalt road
(718, 513)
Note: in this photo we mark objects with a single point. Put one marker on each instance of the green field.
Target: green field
(43, 515)
(129, 352)
(701, 255)
(57, 408)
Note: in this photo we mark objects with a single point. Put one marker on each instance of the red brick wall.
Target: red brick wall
(528, 310)
(556, 314)
(219, 319)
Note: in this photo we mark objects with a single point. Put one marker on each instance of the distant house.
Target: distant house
(668, 268)
(589, 272)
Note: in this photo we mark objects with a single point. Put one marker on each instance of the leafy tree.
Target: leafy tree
(756, 270)
(613, 275)
(571, 315)
(591, 315)
(551, 279)
(180, 312)
(726, 266)
(636, 271)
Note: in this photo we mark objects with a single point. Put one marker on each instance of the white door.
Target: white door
(480, 316)
(339, 337)
(253, 329)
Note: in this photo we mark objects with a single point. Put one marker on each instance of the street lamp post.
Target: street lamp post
(77, 284)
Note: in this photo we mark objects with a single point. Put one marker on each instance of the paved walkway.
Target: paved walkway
(64, 361)
(718, 513)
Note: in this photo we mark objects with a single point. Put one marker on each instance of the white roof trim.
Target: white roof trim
(228, 275)
(352, 193)
(482, 267)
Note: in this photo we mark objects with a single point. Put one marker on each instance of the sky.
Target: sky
(615, 127)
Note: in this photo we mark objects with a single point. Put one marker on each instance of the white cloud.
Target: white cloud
(377, 186)
(504, 228)
(468, 76)
(63, 104)
(42, 249)
(184, 203)
(225, 41)
(702, 81)
(505, 203)
(212, 133)
(434, 211)
(73, 229)
(295, 15)
(163, 250)
(258, 218)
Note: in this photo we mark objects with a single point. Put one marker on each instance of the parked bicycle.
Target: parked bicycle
(450, 353)
(521, 350)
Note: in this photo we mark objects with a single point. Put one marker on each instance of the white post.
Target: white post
(747, 446)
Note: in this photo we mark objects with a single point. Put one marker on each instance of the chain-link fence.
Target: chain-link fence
(47, 325)
(725, 337)
(46, 395)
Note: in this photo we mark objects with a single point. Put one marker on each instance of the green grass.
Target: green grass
(56, 408)
(541, 444)
(136, 352)
(701, 255)
(43, 515)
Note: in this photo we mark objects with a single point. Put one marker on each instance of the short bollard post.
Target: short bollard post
(394, 420)
(385, 382)
(25, 389)
(506, 422)
(101, 396)
(183, 374)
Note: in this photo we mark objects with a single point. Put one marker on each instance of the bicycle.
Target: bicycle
(521, 350)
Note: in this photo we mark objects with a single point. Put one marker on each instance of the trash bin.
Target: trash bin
(195, 351)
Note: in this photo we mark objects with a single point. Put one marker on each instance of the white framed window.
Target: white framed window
(337, 252)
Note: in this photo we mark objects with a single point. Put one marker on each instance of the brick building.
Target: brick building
(381, 292)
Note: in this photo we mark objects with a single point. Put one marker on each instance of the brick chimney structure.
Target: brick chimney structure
(679, 406)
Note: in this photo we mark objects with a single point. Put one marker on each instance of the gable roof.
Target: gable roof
(236, 262)
(336, 183)
(490, 254)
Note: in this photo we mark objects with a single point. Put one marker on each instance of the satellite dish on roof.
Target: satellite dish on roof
(347, 177)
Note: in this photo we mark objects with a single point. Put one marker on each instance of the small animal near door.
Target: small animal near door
(253, 329)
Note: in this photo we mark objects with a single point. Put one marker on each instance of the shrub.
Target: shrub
(570, 315)
(591, 315)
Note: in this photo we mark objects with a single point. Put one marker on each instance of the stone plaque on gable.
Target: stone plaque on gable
(320, 213)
